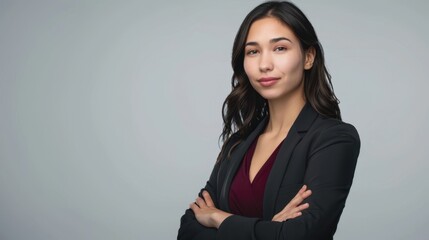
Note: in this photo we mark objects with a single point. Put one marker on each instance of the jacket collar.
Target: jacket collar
(301, 125)
(298, 129)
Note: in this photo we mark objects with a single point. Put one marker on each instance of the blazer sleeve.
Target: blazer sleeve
(190, 228)
(329, 174)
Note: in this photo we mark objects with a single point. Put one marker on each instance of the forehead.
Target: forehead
(264, 29)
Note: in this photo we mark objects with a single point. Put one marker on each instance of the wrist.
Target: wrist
(219, 217)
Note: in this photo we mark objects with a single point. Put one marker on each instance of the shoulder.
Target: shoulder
(328, 132)
(330, 126)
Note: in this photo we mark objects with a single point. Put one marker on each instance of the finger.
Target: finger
(297, 199)
(208, 199)
(289, 211)
(303, 206)
(302, 194)
(297, 214)
(277, 218)
(201, 203)
(300, 197)
(293, 203)
(306, 194)
(284, 217)
(303, 188)
(194, 207)
(299, 208)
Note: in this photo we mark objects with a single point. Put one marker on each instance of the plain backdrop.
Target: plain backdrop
(110, 112)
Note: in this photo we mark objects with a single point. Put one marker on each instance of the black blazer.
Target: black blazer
(319, 152)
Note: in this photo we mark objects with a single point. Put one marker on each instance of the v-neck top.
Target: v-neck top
(245, 197)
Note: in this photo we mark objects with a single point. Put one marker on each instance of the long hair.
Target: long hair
(244, 108)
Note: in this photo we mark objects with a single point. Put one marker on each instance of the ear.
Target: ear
(310, 54)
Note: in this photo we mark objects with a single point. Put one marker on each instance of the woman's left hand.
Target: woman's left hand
(206, 212)
(294, 207)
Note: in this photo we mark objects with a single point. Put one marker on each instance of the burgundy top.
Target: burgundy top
(246, 198)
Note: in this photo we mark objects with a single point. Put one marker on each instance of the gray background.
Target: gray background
(111, 112)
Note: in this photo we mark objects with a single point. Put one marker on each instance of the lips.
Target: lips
(268, 81)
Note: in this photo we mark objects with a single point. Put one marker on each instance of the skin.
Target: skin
(272, 50)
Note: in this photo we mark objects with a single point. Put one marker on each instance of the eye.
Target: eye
(251, 52)
(280, 49)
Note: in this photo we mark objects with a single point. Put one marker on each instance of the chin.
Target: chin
(270, 96)
(270, 93)
(275, 94)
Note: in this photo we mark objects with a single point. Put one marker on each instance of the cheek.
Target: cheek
(291, 65)
(248, 68)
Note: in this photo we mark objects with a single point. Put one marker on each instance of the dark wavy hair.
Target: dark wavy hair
(244, 108)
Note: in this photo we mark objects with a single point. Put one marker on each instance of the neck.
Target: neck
(283, 113)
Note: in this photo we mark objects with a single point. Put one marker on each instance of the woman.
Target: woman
(287, 162)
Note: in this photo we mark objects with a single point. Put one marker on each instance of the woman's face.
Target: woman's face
(274, 61)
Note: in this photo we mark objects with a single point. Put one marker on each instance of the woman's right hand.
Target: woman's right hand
(293, 208)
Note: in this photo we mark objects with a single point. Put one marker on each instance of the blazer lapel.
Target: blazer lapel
(297, 131)
(234, 162)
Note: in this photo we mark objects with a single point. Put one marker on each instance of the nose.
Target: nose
(265, 62)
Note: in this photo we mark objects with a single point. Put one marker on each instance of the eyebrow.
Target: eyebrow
(273, 40)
